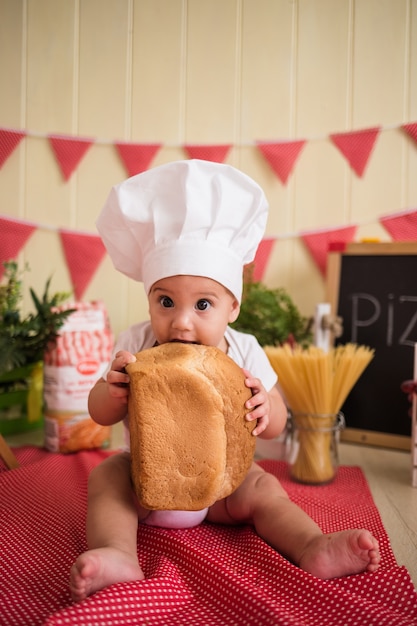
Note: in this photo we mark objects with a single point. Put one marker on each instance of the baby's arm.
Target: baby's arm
(267, 407)
(107, 402)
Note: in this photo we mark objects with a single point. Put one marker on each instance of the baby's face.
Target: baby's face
(191, 309)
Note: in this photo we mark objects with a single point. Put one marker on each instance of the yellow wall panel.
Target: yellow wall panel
(379, 56)
(267, 69)
(322, 96)
(43, 246)
(211, 78)
(50, 66)
(320, 188)
(305, 279)
(384, 175)
(12, 67)
(410, 108)
(208, 71)
(12, 193)
(13, 101)
(100, 169)
(323, 60)
(47, 198)
(104, 70)
(158, 71)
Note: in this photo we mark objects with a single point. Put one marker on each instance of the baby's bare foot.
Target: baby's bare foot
(99, 568)
(341, 554)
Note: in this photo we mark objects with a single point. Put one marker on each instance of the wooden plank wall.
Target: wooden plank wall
(207, 71)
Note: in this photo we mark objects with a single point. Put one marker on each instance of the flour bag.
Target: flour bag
(71, 368)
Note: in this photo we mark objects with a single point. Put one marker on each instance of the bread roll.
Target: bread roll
(190, 442)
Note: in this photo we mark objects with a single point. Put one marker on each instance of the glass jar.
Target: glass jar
(314, 455)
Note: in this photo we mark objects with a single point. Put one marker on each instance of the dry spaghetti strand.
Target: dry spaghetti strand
(316, 384)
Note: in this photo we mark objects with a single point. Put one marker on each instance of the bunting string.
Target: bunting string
(84, 251)
(355, 146)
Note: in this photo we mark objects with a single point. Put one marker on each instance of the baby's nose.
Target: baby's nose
(182, 321)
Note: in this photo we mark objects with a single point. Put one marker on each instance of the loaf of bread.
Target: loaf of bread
(190, 442)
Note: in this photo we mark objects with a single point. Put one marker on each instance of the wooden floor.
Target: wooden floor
(388, 473)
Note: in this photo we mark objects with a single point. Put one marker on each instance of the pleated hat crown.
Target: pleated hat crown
(190, 217)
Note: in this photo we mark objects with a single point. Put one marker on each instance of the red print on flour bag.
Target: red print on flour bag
(79, 358)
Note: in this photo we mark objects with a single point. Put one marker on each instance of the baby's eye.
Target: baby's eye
(203, 305)
(166, 302)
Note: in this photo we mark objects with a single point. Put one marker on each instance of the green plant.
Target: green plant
(23, 340)
(272, 316)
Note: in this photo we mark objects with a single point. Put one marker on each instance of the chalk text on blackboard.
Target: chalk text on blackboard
(374, 309)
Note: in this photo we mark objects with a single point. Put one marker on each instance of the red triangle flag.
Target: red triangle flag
(83, 254)
(215, 153)
(281, 156)
(68, 152)
(411, 130)
(262, 257)
(9, 140)
(402, 226)
(13, 236)
(356, 146)
(136, 157)
(318, 243)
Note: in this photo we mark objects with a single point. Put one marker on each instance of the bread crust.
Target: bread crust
(190, 442)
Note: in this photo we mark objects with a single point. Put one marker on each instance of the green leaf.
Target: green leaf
(272, 316)
(24, 340)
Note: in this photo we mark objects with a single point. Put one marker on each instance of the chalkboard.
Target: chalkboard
(373, 287)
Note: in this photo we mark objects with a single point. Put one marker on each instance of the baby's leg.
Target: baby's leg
(112, 522)
(262, 501)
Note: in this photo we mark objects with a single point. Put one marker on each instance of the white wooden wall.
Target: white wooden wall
(207, 71)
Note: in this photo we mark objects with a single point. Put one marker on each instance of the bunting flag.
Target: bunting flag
(14, 235)
(402, 226)
(262, 257)
(9, 140)
(83, 254)
(136, 157)
(411, 130)
(281, 156)
(215, 153)
(69, 152)
(356, 146)
(318, 243)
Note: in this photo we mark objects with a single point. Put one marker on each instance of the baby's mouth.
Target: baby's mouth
(183, 341)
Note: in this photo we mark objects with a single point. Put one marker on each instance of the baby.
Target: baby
(185, 230)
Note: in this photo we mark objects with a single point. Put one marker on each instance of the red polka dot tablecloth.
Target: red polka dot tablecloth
(210, 575)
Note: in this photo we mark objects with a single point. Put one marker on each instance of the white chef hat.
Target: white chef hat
(187, 217)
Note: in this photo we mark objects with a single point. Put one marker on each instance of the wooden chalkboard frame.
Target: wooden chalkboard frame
(334, 269)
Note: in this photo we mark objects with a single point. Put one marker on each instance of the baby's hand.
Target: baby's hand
(117, 379)
(258, 403)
